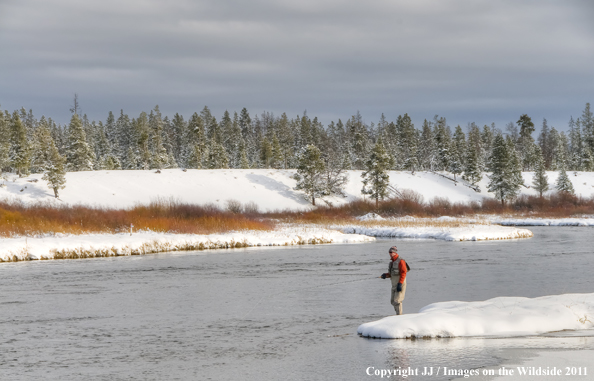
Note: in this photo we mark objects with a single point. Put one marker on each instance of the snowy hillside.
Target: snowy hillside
(270, 189)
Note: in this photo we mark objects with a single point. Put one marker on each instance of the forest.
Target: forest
(240, 140)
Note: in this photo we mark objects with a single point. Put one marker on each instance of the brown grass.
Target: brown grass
(177, 217)
(557, 205)
(161, 216)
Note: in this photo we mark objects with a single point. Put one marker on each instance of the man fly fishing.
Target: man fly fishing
(397, 273)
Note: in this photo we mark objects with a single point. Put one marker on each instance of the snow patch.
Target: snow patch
(370, 217)
(502, 316)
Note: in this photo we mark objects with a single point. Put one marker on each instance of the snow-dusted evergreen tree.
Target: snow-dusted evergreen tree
(357, 131)
(286, 140)
(526, 141)
(244, 162)
(514, 166)
(277, 159)
(455, 164)
(217, 156)
(427, 154)
(375, 177)
(563, 184)
(487, 141)
(51, 162)
(4, 140)
(78, 153)
(554, 148)
(540, 182)
(587, 122)
(310, 173)
(194, 152)
(408, 140)
(544, 142)
(561, 151)
(502, 182)
(443, 143)
(159, 158)
(472, 171)
(587, 160)
(335, 177)
(20, 153)
(575, 145)
(266, 153)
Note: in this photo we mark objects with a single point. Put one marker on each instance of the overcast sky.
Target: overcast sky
(467, 60)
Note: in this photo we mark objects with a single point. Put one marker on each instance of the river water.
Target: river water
(272, 313)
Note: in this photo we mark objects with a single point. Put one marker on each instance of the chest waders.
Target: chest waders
(396, 297)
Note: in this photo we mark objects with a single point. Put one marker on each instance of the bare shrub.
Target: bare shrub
(234, 206)
(251, 208)
(411, 195)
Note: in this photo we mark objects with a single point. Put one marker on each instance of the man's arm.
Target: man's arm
(402, 268)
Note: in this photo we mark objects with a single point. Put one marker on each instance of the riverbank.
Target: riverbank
(75, 246)
(70, 246)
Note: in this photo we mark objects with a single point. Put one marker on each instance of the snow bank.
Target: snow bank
(63, 246)
(544, 221)
(270, 189)
(371, 217)
(470, 233)
(503, 316)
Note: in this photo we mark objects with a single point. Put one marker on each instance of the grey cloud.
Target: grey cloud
(465, 59)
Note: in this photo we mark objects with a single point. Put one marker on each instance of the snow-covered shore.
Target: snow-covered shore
(502, 316)
(62, 246)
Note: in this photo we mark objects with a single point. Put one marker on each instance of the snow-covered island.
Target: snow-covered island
(502, 316)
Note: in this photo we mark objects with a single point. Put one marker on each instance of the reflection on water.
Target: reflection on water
(270, 313)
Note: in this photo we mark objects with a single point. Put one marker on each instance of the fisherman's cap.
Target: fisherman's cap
(393, 249)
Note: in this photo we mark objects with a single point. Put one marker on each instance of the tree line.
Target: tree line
(240, 140)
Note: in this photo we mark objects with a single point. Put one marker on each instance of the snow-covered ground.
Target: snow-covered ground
(502, 316)
(100, 245)
(270, 189)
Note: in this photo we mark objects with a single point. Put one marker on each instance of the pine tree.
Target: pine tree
(78, 153)
(410, 147)
(514, 167)
(587, 122)
(540, 181)
(4, 141)
(335, 177)
(503, 179)
(51, 162)
(310, 173)
(563, 184)
(472, 171)
(266, 153)
(159, 158)
(277, 159)
(244, 162)
(455, 164)
(375, 177)
(217, 156)
(576, 147)
(443, 143)
(427, 154)
(587, 160)
(19, 153)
